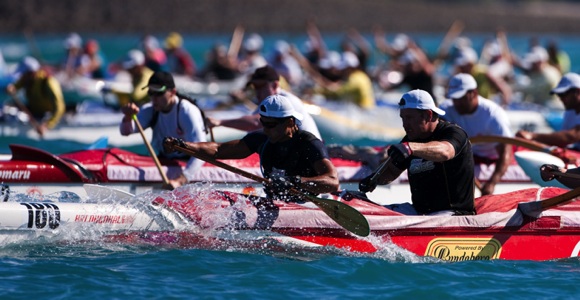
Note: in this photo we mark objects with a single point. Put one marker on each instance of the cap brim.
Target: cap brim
(559, 90)
(438, 111)
(155, 88)
(456, 94)
(298, 116)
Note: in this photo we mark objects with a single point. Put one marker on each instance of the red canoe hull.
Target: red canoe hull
(499, 231)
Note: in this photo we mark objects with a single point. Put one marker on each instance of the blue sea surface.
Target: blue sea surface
(80, 263)
(56, 271)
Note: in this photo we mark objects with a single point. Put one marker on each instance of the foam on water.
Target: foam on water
(215, 232)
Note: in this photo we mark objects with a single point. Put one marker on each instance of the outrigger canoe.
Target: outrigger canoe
(532, 224)
(540, 154)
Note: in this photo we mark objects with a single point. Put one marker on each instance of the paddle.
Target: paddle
(343, 214)
(534, 208)
(99, 192)
(378, 172)
(152, 152)
(569, 175)
(454, 31)
(236, 42)
(532, 145)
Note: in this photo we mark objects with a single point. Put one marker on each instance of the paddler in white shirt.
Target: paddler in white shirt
(479, 116)
(167, 115)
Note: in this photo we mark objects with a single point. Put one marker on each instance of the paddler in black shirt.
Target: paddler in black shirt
(289, 157)
(437, 156)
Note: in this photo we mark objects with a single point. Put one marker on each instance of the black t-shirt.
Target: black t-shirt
(289, 158)
(447, 185)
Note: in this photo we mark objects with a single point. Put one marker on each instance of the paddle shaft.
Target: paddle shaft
(151, 151)
(380, 170)
(453, 32)
(223, 165)
(236, 42)
(569, 175)
(560, 199)
(532, 145)
(344, 215)
(535, 208)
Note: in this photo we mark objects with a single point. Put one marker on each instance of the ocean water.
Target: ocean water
(78, 263)
(82, 271)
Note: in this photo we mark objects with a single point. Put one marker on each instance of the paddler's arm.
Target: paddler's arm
(501, 166)
(325, 182)
(236, 149)
(550, 172)
(436, 151)
(570, 182)
(560, 138)
(245, 123)
(127, 126)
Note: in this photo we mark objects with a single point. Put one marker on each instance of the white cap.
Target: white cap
(151, 42)
(134, 58)
(332, 59)
(348, 60)
(466, 55)
(254, 42)
(281, 47)
(541, 52)
(568, 81)
(493, 49)
(462, 42)
(419, 99)
(278, 106)
(28, 64)
(460, 84)
(73, 41)
(537, 54)
(400, 42)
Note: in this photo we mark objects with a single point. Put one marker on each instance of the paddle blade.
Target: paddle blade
(535, 208)
(100, 192)
(344, 215)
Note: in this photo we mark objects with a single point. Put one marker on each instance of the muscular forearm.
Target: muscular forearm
(206, 149)
(246, 123)
(502, 163)
(434, 151)
(320, 184)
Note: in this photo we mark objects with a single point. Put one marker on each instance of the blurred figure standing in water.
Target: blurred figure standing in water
(45, 102)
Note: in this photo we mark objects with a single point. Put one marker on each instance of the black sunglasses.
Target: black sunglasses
(271, 124)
